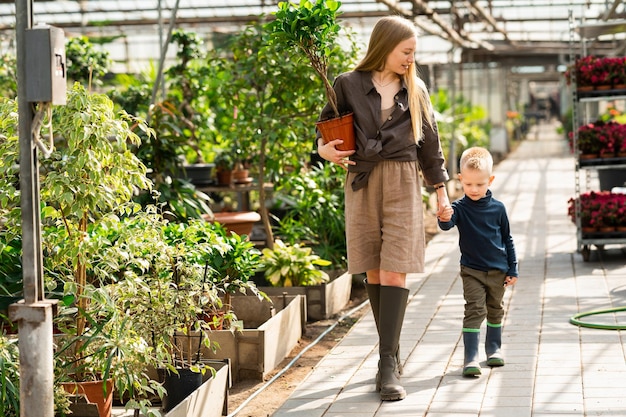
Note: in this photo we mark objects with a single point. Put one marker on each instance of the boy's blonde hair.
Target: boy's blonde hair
(478, 159)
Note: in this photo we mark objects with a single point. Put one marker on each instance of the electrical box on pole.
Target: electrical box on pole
(46, 78)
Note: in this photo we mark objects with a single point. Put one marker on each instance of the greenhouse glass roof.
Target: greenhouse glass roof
(488, 29)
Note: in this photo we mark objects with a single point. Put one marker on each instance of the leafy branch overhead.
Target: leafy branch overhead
(310, 28)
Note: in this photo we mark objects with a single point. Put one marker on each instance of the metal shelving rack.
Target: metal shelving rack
(582, 103)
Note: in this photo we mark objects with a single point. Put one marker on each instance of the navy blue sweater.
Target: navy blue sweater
(484, 234)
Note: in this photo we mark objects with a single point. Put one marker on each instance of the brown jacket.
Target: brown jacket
(391, 140)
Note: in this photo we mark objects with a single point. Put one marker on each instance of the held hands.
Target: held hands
(329, 152)
(444, 214)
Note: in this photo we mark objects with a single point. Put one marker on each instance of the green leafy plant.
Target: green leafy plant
(85, 64)
(9, 377)
(8, 75)
(312, 203)
(310, 28)
(293, 265)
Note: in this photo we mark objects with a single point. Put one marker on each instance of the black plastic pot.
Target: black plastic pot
(179, 386)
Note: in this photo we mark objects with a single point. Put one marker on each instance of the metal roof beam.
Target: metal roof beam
(608, 14)
(484, 14)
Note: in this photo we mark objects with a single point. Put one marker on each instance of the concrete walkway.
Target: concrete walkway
(553, 367)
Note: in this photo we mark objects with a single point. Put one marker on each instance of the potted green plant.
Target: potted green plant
(296, 270)
(88, 180)
(293, 265)
(224, 164)
(311, 28)
(166, 292)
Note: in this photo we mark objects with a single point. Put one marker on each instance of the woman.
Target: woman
(396, 135)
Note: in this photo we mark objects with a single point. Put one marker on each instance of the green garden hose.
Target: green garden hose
(574, 319)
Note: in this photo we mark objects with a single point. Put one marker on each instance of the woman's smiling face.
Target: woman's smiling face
(402, 56)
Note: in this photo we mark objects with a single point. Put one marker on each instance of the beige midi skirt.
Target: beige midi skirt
(385, 220)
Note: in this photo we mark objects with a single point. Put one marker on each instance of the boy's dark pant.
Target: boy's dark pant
(483, 293)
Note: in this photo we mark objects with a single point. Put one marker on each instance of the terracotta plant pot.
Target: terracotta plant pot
(240, 222)
(339, 128)
(215, 319)
(93, 392)
(224, 176)
(242, 176)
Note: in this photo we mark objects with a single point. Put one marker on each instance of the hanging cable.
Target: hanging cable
(44, 109)
(298, 356)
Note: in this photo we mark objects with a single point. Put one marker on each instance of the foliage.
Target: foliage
(9, 377)
(161, 285)
(88, 179)
(310, 28)
(228, 260)
(225, 160)
(461, 123)
(85, 64)
(293, 265)
(313, 202)
(8, 75)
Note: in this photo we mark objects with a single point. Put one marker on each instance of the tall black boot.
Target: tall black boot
(493, 342)
(393, 302)
(373, 293)
(471, 367)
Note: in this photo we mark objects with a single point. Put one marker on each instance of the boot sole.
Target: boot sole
(494, 362)
(393, 397)
(471, 371)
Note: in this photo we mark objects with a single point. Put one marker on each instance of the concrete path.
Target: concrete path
(553, 367)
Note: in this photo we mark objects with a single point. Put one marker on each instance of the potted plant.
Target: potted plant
(224, 164)
(166, 293)
(311, 28)
(293, 265)
(588, 144)
(90, 181)
(296, 270)
(312, 213)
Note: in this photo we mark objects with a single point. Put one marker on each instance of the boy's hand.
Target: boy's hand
(445, 215)
(510, 281)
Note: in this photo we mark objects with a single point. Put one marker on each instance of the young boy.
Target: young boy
(488, 260)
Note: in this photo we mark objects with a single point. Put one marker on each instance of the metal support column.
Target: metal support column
(34, 313)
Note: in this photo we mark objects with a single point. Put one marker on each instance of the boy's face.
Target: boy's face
(475, 183)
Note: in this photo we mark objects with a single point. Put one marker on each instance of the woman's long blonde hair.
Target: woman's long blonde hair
(388, 32)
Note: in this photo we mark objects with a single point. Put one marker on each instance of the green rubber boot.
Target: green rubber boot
(393, 302)
(493, 342)
(471, 367)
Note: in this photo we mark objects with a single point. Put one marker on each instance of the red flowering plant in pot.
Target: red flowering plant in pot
(588, 204)
(588, 142)
(608, 137)
(616, 67)
(584, 70)
(601, 73)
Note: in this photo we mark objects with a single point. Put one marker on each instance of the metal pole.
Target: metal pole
(33, 314)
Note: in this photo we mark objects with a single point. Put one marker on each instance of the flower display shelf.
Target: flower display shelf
(587, 70)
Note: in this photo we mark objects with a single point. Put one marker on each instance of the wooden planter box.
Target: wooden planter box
(270, 332)
(322, 301)
(211, 399)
